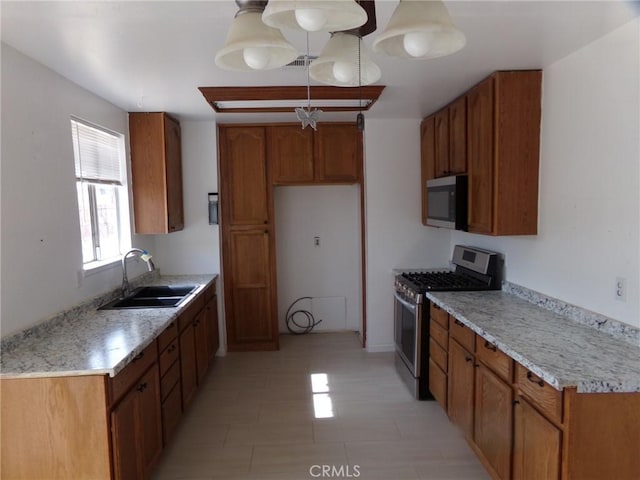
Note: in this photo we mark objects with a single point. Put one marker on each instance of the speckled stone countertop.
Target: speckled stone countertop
(87, 341)
(563, 352)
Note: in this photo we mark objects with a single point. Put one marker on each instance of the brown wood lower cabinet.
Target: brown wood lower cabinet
(537, 444)
(460, 394)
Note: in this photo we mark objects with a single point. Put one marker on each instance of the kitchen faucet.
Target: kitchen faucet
(144, 255)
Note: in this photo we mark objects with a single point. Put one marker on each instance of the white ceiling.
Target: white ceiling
(152, 55)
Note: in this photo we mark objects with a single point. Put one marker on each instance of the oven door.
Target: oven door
(408, 331)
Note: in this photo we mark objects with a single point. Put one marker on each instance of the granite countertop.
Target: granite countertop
(87, 341)
(560, 350)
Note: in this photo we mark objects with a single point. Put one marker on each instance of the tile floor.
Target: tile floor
(256, 418)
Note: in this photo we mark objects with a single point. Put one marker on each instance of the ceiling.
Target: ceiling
(153, 55)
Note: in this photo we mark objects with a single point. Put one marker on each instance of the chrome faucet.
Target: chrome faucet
(144, 255)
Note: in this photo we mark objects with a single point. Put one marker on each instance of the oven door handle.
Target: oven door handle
(410, 306)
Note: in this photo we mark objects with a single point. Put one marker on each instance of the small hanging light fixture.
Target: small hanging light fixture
(314, 15)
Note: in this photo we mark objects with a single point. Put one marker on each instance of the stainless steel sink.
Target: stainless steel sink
(154, 296)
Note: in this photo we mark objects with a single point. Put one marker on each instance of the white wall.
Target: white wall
(195, 249)
(40, 236)
(395, 236)
(589, 216)
(330, 272)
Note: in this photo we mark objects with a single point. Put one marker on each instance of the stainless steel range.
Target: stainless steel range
(473, 269)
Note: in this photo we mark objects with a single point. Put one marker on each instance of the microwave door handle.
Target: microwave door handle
(410, 306)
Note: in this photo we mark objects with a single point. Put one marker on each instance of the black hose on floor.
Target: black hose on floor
(302, 328)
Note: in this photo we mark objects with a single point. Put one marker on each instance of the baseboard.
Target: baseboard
(380, 348)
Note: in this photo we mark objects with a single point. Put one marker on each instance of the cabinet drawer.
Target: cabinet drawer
(438, 384)
(439, 315)
(169, 356)
(438, 354)
(192, 310)
(543, 396)
(463, 334)
(440, 335)
(496, 360)
(122, 382)
(166, 337)
(171, 414)
(169, 380)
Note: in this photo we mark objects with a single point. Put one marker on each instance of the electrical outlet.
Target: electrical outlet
(621, 289)
(316, 241)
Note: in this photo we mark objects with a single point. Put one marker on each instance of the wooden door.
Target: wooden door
(243, 170)
(290, 154)
(428, 159)
(211, 324)
(150, 418)
(188, 367)
(124, 425)
(338, 153)
(442, 143)
(254, 320)
(480, 150)
(537, 444)
(173, 153)
(493, 420)
(458, 136)
(460, 387)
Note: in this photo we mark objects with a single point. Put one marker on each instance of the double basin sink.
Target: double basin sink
(155, 296)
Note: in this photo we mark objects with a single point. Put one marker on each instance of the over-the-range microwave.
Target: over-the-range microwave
(447, 202)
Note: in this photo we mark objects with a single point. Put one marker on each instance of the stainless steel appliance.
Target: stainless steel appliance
(447, 202)
(473, 269)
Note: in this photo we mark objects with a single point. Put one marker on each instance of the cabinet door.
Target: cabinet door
(442, 143)
(458, 136)
(173, 154)
(290, 154)
(243, 170)
(428, 159)
(188, 369)
(124, 436)
(211, 323)
(537, 444)
(200, 337)
(460, 388)
(493, 420)
(251, 318)
(480, 150)
(338, 153)
(150, 418)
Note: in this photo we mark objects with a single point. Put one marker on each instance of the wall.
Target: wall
(195, 249)
(40, 235)
(589, 216)
(330, 272)
(395, 235)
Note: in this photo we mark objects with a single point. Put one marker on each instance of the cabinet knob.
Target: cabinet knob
(138, 357)
(142, 387)
(468, 358)
(532, 378)
(458, 322)
(516, 402)
(489, 346)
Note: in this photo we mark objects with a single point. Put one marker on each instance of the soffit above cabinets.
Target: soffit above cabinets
(286, 98)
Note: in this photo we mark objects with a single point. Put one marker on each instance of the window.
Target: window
(103, 201)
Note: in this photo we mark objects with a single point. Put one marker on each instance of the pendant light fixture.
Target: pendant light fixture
(342, 64)
(314, 15)
(420, 29)
(252, 45)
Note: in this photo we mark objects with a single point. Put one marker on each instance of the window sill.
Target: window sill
(97, 267)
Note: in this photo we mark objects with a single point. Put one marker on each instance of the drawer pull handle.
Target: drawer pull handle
(490, 346)
(138, 357)
(467, 358)
(532, 378)
(142, 387)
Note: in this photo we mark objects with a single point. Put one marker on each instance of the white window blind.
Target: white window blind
(97, 154)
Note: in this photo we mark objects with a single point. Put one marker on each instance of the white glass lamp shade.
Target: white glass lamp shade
(314, 15)
(337, 65)
(252, 45)
(420, 29)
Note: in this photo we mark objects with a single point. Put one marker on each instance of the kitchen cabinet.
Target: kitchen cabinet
(461, 387)
(156, 173)
(438, 354)
(503, 146)
(136, 426)
(170, 384)
(330, 155)
(427, 159)
(458, 136)
(188, 327)
(211, 325)
(442, 142)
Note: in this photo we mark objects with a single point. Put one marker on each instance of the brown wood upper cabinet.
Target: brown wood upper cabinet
(156, 172)
(330, 155)
(503, 145)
